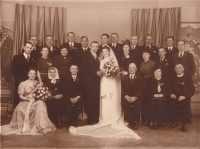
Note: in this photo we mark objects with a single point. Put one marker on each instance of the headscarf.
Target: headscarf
(53, 80)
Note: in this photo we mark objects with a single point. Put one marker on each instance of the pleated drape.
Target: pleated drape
(160, 22)
(39, 21)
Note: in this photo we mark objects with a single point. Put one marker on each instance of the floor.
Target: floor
(61, 138)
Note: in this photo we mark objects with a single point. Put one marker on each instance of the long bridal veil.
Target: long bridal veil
(111, 120)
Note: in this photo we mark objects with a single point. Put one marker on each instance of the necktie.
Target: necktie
(71, 47)
(114, 45)
(131, 79)
(95, 55)
(170, 49)
(181, 54)
(161, 59)
(28, 58)
(74, 78)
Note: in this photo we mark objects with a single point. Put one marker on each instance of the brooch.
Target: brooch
(49, 63)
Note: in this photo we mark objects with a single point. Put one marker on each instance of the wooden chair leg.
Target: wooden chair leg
(83, 116)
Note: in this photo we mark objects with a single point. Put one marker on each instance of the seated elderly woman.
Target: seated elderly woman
(30, 116)
(158, 91)
(55, 104)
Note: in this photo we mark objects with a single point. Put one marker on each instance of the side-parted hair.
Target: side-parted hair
(172, 37)
(156, 67)
(62, 47)
(146, 51)
(94, 42)
(84, 37)
(114, 34)
(181, 40)
(105, 35)
(70, 33)
(48, 36)
(73, 65)
(148, 35)
(32, 36)
(27, 43)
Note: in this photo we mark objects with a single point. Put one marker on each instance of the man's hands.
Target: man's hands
(130, 99)
(75, 99)
(179, 99)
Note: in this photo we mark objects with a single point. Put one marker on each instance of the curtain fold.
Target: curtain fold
(39, 21)
(160, 22)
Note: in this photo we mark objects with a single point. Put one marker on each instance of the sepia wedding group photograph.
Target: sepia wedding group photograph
(109, 74)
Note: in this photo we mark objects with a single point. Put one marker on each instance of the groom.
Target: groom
(132, 95)
(92, 82)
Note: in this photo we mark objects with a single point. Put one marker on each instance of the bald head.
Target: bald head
(132, 68)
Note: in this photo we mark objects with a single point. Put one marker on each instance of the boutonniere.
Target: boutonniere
(74, 47)
(161, 84)
(166, 64)
(50, 64)
(181, 83)
(56, 89)
(154, 51)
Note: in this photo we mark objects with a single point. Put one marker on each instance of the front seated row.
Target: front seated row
(150, 95)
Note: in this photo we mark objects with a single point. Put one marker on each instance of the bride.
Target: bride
(111, 121)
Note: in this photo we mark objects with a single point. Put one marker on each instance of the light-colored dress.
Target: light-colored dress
(111, 120)
(38, 121)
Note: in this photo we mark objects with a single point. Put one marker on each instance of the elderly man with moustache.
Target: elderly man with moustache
(53, 50)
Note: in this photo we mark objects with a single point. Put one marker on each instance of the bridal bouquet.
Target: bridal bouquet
(41, 93)
(110, 69)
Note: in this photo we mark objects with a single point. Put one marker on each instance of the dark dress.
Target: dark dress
(63, 63)
(157, 106)
(124, 61)
(43, 66)
(55, 106)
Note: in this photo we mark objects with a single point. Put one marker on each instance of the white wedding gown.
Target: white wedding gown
(111, 120)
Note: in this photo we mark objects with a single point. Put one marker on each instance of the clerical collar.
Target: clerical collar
(180, 75)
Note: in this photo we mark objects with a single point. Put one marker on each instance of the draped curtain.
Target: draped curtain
(39, 21)
(160, 22)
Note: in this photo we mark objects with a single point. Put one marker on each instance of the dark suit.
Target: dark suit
(169, 53)
(117, 50)
(81, 60)
(187, 61)
(136, 55)
(73, 89)
(55, 51)
(153, 51)
(35, 53)
(92, 88)
(134, 88)
(19, 69)
(166, 66)
(75, 47)
(181, 86)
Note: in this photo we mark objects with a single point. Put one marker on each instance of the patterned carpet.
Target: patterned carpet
(155, 139)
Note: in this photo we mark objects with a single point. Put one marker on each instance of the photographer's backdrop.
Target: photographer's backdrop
(92, 18)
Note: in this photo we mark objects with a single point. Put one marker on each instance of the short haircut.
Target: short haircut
(73, 65)
(114, 34)
(70, 33)
(48, 36)
(162, 48)
(148, 35)
(146, 51)
(27, 43)
(84, 37)
(42, 47)
(32, 36)
(178, 64)
(172, 37)
(105, 35)
(94, 42)
(134, 35)
(105, 47)
(182, 41)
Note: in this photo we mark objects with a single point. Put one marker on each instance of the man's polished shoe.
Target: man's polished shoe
(173, 125)
(184, 128)
(189, 121)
